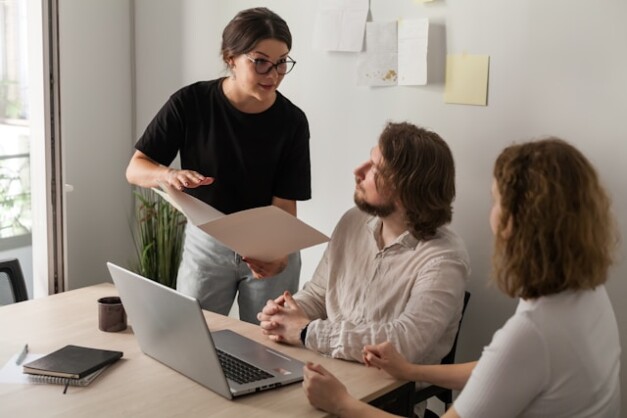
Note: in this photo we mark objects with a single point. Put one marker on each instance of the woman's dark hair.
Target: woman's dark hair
(556, 230)
(418, 166)
(249, 27)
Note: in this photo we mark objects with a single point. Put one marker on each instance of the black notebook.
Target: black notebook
(72, 362)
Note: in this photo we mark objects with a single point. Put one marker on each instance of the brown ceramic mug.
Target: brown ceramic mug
(111, 314)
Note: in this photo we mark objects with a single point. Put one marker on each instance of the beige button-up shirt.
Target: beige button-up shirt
(410, 293)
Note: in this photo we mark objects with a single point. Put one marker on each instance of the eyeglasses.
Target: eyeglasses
(263, 66)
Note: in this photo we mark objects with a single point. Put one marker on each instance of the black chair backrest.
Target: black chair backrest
(443, 394)
(447, 395)
(450, 357)
(12, 285)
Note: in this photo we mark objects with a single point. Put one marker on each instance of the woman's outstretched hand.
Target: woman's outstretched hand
(186, 179)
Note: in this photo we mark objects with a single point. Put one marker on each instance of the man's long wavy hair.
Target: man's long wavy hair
(419, 169)
(556, 230)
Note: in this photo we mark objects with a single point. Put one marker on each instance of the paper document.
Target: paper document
(395, 53)
(467, 79)
(378, 64)
(12, 372)
(340, 25)
(266, 233)
(413, 41)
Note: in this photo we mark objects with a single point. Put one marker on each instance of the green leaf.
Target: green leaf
(158, 234)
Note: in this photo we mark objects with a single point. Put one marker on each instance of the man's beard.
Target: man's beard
(381, 210)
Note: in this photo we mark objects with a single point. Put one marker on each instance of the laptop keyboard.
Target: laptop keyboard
(240, 371)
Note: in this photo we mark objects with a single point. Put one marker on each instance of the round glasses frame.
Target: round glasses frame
(263, 66)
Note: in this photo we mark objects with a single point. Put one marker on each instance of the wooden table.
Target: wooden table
(137, 385)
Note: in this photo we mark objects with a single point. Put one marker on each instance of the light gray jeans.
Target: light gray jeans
(215, 274)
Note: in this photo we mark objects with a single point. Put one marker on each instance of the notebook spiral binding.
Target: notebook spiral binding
(54, 380)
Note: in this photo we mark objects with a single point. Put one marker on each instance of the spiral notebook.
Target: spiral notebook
(72, 362)
(54, 380)
(11, 372)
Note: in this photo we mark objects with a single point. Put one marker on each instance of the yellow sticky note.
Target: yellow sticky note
(467, 79)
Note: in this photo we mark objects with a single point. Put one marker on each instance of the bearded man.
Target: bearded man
(393, 271)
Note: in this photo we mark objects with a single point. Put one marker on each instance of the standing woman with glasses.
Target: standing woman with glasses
(242, 145)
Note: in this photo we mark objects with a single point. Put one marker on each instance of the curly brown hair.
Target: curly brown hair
(419, 168)
(556, 230)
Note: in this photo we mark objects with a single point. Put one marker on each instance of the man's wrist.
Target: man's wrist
(303, 333)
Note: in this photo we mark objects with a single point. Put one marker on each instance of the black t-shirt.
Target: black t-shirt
(252, 157)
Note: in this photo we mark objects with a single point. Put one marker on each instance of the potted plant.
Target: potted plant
(158, 236)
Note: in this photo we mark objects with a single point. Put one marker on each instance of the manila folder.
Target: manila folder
(265, 233)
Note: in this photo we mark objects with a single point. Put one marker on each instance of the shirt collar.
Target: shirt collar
(406, 239)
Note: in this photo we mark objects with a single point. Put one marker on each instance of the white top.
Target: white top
(558, 356)
(410, 293)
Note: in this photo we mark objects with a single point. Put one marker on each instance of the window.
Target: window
(15, 200)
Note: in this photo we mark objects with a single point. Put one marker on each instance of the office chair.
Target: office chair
(12, 285)
(444, 395)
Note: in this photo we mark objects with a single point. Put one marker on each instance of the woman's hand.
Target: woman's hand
(384, 356)
(144, 172)
(324, 390)
(186, 179)
(265, 269)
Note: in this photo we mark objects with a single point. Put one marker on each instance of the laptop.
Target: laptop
(171, 328)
